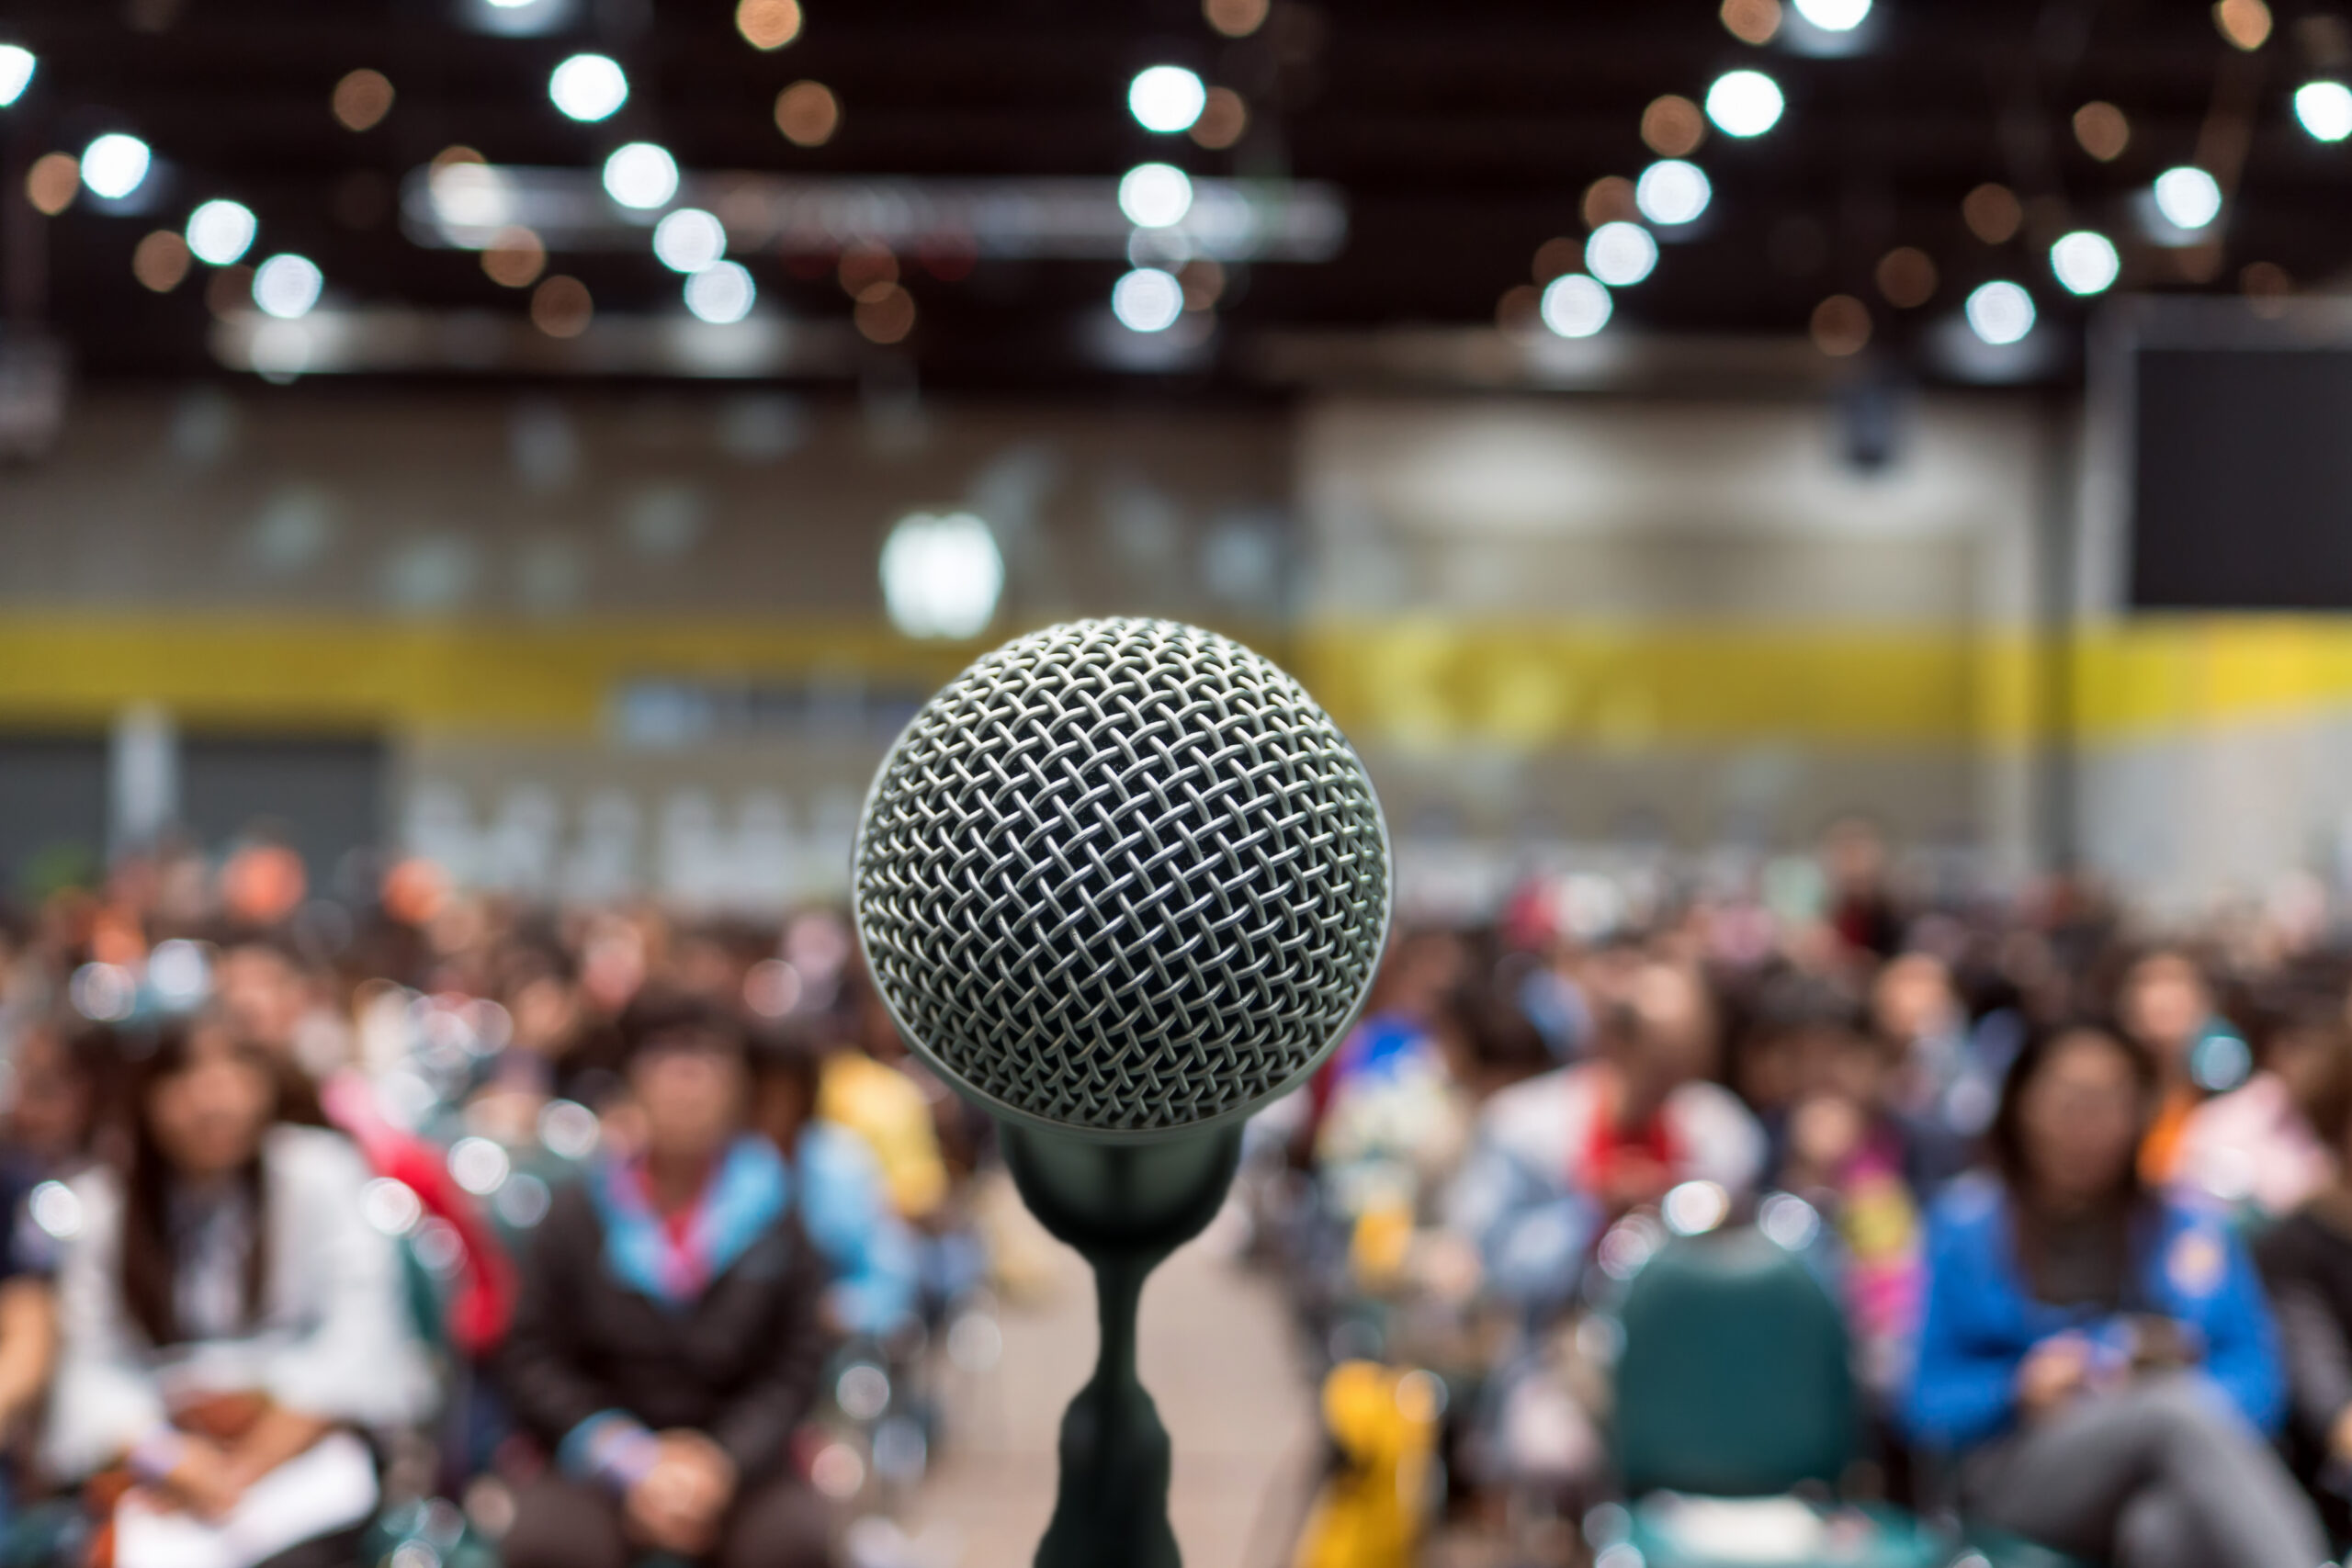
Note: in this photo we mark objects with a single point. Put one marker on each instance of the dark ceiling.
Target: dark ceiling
(1462, 134)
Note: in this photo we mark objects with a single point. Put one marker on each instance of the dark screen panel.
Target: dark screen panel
(52, 810)
(2243, 479)
(321, 796)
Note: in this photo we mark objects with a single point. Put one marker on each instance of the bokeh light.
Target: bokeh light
(288, 285)
(514, 257)
(51, 183)
(1166, 98)
(1906, 276)
(1993, 213)
(2325, 109)
(941, 576)
(589, 88)
(689, 240)
(2085, 261)
(1576, 306)
(1147, 300)
(17, 65)
(1834, 16)
(114, 164)
(221, 232)
(1745, 103)
(1841, 327)
(722, 293)
(1155, 196)
(1222, 120)
(1752, 21)
(561, 307)
(1236, 18)
(362, 99)
(1610, 199)
(1621, 255)
(807, 113)
(642, 176)
(1672, 126)
(161, 262)
(1671, 192)
(2102, 130)
(768, 24)
(2000, 312)
(884, 313)
(2187, 196)
(2245, 23)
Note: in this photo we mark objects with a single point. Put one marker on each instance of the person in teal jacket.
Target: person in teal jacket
(2098, 1359)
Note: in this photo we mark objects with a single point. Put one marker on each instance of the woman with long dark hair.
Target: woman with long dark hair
(231, 1321)
(2097, 1358)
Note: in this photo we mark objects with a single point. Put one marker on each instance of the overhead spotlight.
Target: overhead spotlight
(721, 293)
(288, 285)
(2085, 261)
(16, 65)
(1166, 98)
(2187, 196)
(1155, 196)
(589, 88)
(941, 576)
(2000, 312)
(1574, 305)
(689, 240)
(1621, 255)
(1147, 300)
(1671, 192)
(1745, 103)
(114, 164)
(1834, 16)
(2324, 108)
(642, 175)
(221, 232)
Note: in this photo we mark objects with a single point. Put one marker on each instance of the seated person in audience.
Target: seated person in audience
(668, 1341)
(229, 1318)
(2255, 1146)
(28, 1309)
(1614, 1132)
(871, 1256)
(2166, 1007)
(2098, 1359)
(52, 1100)
(2306, 1259)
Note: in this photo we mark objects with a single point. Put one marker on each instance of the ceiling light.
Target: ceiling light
(1671, 191)
(1575, 306)
(1166, 98)
(221, 232)
(941, 576)
(689, 240)
(589, 86)
(1155, 196)
(1147, 300)
(2324, 107)
(1621, 255)
(2000, 312)
(642, 175)
(2085, 263)
(16, 72)
(1745, 103)
(288, 285)
(114, 165)
(721, 293)
(1834, 16)
(2187, 196)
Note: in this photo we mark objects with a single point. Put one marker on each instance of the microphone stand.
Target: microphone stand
(1123, 1207)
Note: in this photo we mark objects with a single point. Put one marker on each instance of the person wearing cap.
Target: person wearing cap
(668, 1338)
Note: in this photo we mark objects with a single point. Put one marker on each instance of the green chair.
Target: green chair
(1736, 1411)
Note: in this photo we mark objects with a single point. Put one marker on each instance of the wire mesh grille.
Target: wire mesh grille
(1123, 876)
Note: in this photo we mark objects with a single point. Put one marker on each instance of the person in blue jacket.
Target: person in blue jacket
(2096, 1358)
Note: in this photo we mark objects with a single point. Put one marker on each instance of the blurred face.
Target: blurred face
(2080, 1119)
(51, 1111)
(1668, 1037)
(208, 1117)
(691, 1090)
(262, 995)
(1913, 998)
(2164, 1003)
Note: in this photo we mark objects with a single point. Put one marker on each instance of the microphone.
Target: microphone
(1122, 882)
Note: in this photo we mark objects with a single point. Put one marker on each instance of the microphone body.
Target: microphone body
(1121, 883)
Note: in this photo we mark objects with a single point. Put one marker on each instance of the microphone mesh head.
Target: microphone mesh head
(1123, 877)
